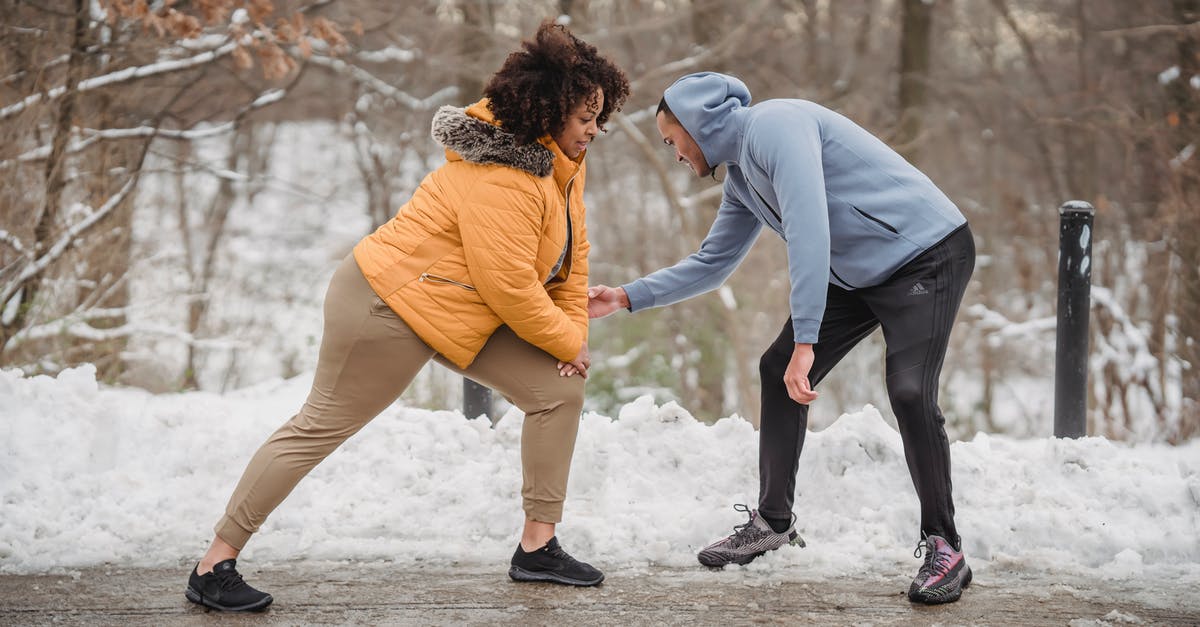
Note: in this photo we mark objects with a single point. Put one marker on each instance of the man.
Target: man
(870, 242)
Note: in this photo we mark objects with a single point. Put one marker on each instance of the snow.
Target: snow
(91, 475)
(1170, 74)
(1184, 155)
(389, 54)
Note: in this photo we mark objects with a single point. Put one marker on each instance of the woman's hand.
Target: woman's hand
(578, 366)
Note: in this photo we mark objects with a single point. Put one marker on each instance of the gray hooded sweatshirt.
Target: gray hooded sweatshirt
(850, 209)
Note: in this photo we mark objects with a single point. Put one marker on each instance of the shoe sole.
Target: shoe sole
(716, 560)
(520, 574)
(947, 599)
(198, 599)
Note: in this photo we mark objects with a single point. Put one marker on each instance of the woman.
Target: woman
(485, 271)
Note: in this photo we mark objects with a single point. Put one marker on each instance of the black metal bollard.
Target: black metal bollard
(1074, 295)
(477, 399)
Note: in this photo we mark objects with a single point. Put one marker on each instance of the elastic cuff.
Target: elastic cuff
(775, 516)
(231, 532)
(544, 511)
(806, 330)
(640, 296)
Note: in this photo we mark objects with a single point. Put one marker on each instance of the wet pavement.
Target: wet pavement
(392, 594)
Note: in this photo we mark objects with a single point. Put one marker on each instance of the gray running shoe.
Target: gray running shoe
(749, 540)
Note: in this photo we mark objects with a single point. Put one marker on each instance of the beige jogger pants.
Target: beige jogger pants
(368, 357)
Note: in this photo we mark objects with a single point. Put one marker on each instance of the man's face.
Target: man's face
(686, 149)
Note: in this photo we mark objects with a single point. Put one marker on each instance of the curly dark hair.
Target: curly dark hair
(538, 86)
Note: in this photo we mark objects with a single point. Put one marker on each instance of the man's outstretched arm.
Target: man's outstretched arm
(728, 240)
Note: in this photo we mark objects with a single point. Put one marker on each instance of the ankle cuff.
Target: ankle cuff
(228, 530)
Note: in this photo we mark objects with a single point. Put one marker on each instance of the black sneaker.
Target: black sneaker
(943, 576)
(551, 563)
(223, 589)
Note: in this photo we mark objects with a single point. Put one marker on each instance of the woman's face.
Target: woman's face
(580, 127)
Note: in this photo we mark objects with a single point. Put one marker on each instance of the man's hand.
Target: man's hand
(578, 366)
(604, 300)
(796, 376)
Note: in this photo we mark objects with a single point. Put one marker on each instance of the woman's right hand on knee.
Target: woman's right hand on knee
(579, 365)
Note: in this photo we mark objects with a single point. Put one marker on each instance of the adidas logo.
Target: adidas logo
(917, 290)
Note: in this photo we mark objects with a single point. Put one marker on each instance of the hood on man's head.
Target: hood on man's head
(702, 103)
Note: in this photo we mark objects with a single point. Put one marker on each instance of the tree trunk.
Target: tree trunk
(915, 38)
(1184, 238)
(708, 22)
(812, 41)
(107, 257)
(54, 177)
(474, 41)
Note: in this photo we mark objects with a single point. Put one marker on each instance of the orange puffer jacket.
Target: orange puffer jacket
(474, 247)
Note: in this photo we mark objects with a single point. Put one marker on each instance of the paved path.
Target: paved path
(347, 594)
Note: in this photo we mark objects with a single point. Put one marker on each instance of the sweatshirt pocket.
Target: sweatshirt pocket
(441, 280)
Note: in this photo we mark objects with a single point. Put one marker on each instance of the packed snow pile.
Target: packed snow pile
(92, 475)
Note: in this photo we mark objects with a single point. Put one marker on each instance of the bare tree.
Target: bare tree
(915, 37)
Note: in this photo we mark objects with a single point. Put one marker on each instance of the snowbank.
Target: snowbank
(92, 475)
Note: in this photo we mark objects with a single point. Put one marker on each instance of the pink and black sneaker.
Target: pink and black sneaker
(943, 575)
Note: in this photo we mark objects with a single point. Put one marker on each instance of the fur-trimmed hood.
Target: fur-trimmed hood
(481, 141)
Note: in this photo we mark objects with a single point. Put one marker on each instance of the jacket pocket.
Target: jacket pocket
(891, 229)
(441, 280)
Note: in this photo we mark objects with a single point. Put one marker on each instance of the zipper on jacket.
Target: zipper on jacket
(570, 245)
(433, 278)
(877, 221)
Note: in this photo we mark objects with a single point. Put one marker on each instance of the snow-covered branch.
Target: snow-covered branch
(1138, 32)
(126, 74)
(710, 194)
(375, 83)
(999, 327)
(388, 55)
(76, 326)
(42, 153)
(1127, 345)
(65, 241)
(57, 61)
(94, 135)
(13, 242)
(266, 98)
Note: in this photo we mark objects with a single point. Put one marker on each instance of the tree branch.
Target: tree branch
(735, 37)
(1138, 32)
(66, 241)
(95, 135)
(120, 76)
(381, 86)
(1023, 40)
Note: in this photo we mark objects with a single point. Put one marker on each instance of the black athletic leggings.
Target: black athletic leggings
(916, 307)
